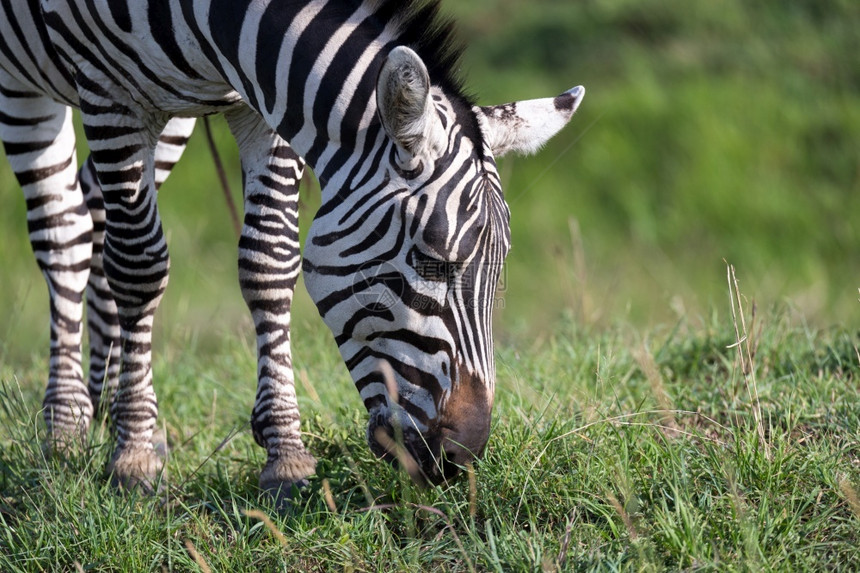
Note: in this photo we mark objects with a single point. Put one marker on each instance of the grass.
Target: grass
(610, 450)
(708, 132)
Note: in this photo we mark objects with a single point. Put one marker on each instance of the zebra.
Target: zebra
(402, 258)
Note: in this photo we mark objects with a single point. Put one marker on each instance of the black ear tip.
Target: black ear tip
(569, 100)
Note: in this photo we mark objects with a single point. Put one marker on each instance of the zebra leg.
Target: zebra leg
(269, 265)
(136, 265)
(102, 319)
(40, 144)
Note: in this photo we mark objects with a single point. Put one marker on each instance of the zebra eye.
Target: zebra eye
(430, 268)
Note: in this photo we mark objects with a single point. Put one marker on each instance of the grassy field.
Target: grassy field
(611, 449)
(628, 433)
(724, 131)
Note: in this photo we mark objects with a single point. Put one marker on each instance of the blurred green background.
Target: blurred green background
(710, 132)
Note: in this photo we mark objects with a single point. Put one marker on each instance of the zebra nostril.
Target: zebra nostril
(453, 463)
(458, 457)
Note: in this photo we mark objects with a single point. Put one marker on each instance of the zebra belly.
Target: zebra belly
(30, 60)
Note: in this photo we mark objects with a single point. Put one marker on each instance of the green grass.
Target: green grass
(610, 449)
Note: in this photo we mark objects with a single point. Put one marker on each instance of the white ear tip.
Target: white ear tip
(402, 54)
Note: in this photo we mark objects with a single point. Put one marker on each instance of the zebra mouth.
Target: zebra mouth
(422, 456)
(438, 449)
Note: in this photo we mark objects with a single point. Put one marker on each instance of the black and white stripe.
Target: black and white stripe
(405, 253)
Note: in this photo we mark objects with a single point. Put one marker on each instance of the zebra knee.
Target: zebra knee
(137, 279)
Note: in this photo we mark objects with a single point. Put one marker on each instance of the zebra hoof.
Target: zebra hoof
(281, 495)
(283, 476)
(139, 468)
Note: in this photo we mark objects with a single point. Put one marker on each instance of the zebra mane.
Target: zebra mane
(423, 27)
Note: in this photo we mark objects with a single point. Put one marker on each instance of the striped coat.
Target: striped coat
(402, 259)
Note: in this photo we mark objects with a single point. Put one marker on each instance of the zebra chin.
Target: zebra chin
(450, 443)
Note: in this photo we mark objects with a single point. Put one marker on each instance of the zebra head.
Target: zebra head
(404, 258)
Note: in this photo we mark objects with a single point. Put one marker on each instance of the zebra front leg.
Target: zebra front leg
(102, 319)
(136, 265)
(40, 144)
(269, 265)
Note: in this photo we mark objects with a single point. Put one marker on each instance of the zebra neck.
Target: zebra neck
(309, 68)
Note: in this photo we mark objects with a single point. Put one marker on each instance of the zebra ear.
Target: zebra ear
(405, 106)
(524, 126)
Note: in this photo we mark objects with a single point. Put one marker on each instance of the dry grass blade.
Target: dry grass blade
(473, 490)
(230, 435)
(851, 495)
(745, 353)
(565, 542)
(403, 457)
(192, 551)
(625, 517)
(553, 163)
(309, 388)
(579, 292)
(222, 178)
(327, 495)
(651, 371)
(312, 392)
(387, 372)
(257, 514)
(393, 445)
